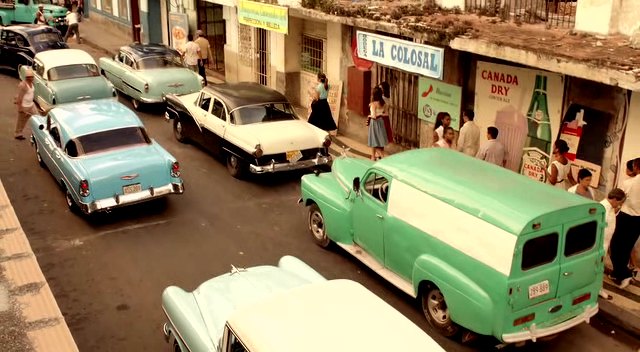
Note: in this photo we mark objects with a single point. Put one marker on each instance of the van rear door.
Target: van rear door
(536, 268)
(580, 264)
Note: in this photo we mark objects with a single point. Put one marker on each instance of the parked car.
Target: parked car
(254, 128)
(24, 11)
(290, 307)
(102, 156)
(485, 249)
(66, 76)
(20, 43)
(147, 72)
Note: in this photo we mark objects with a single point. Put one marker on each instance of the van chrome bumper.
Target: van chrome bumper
(534, 333)
(303, 164)
(129, 199)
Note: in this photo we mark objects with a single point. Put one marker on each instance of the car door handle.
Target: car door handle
(380, 216)
(568, 273)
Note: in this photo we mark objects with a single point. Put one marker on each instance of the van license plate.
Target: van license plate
(539, 289)
(131, 188)
(294, 156)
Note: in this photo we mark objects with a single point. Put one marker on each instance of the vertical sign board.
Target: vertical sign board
(435, 96)
(335, 99)
(270, 17)
(179, 27)
(424, 60)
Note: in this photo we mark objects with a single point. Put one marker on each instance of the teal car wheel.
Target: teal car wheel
(434, 307)
(137, 105)
(38, 156)
(316, 226)
(71, 204)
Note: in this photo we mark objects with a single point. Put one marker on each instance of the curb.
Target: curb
(46, 329)
(620, 317)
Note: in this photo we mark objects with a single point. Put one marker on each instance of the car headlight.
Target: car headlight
(258, 152)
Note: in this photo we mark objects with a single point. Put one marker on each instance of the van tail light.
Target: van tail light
(175, 169)
(84, 188)
(580, 299)
(525, 319)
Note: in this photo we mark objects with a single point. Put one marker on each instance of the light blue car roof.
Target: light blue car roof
(79, 119)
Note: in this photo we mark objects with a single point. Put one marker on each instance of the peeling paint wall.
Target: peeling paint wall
(608, 16)
(628, 16)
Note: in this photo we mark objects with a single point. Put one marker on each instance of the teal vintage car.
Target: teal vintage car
(148, 72)
(484, 250)
(102, 157)
(285, 308)
(67, 76)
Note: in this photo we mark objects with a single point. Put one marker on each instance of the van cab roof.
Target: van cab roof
(335, 315)
(508, 200)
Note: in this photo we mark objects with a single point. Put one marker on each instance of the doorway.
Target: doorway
(262, 55)
(211, 22)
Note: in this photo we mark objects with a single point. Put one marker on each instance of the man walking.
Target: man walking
(191, 54)
(627, 230)
(469, 139)
(205, 54)
(40, 18)
(492, 151)
(73, 29)
(24, 101)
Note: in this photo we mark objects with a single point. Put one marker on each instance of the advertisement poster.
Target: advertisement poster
(525, 105)
(179, 26)
(435, 96)
(265, 16)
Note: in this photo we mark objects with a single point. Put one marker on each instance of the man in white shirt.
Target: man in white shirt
(73, 29)
(492, 151)
(611, 204)
(627, 230)
(469, 139)
(191, 54)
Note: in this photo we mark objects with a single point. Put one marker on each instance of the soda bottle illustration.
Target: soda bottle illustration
(539, 125)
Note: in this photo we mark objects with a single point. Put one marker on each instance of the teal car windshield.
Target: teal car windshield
(107, 140)
(263, 113)
(160, 62)
(44, 2)
(73, 71)
(44, 41)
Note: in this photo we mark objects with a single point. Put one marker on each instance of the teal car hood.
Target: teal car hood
(77, 89)
(170, 80)
(345, 169)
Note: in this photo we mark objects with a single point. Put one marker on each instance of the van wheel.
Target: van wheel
(316, 226)
(436, 311)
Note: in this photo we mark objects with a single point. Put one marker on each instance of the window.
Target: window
(73, 71)
(234, 344)
(123, 9)
(539, 251)
(377, 186)
(312, 57)
(580, 238)
(55, 134)
(205, 102)
(218, 110)
(38, 68)
(107, 6)
(8, 38)
(111, 139)
(21, 42)
(167, 60)
(71, 149)
(127, 60)
(263, 113)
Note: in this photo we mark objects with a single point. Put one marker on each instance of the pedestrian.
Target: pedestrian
(191, 54)
(627, 230)
(583, 187)
(443, 120)
(321, 116)
(492, 151)
(377, 138)
(40, 17)
(611, 205)
(25, 104)
(205, 55)
(447, 139)
(73, 27)
(559, 171)
(629, 171)
(469, 139)
(386, 96)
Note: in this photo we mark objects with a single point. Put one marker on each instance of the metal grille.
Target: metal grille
(210, 20)
(262, 51)
(555, 13)
(403, 105)
(312, 56)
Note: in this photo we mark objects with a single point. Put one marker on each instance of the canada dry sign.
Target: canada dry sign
(422, 59)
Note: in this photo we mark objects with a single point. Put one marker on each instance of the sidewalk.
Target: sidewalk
(30, 319)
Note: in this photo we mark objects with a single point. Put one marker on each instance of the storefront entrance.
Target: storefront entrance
(210, 21)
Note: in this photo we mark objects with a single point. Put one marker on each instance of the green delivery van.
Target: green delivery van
(484, 249)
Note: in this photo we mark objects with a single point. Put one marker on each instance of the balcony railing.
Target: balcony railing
(554, 13)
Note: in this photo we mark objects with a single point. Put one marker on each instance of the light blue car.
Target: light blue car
(101, 155)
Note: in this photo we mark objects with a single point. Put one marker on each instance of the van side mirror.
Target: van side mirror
(356, 184)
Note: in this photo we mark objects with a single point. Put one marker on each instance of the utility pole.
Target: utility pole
(135, 21)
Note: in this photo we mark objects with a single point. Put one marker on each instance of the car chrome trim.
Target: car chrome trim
(107, 204)
(129, 177)
(533, 333)
(303, 164)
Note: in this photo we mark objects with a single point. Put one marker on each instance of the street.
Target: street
(108, 272)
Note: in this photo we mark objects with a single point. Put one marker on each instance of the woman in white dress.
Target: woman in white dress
(559, 172)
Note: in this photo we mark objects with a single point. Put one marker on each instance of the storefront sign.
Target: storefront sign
(335, 99)
(265, 16)
(525, 105)
(435, 97)
(422, 59)
(179, 25)
(571, 133)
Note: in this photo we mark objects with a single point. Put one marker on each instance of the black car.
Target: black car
(20, 43)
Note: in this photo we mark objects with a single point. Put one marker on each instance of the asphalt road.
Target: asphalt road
(108, 272)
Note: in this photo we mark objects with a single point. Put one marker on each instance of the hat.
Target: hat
(28, 73)
(199, 32)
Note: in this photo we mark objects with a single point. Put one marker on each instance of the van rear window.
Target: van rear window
(580, 238)
(539, 251)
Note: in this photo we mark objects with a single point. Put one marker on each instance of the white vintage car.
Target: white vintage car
(254, 128)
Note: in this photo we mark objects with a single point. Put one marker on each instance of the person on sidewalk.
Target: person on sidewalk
(191, 54)
(25, 104)
(583, 187)
(627, 230)
(611, 205)
(40, 17)
(443, 120)
(377, 138)
(469, 139)
(74, 27)
(205, 55)
(559, 171)
(386, 96)
(447, 139)
(321, 116)
(492, 151)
